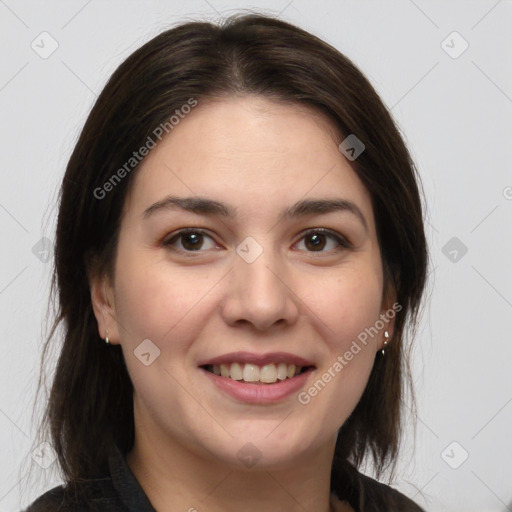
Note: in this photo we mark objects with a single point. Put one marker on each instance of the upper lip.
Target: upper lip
(257, 359)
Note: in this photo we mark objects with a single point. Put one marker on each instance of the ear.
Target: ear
(103, 304)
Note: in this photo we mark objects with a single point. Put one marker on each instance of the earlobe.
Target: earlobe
(390, 309)
(387, 339)
(103, 304)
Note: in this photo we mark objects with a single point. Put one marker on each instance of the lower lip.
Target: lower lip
(259, 393)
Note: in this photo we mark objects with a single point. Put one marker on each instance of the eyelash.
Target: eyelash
(342, 241)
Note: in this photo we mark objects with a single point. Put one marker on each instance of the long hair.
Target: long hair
(90, 406)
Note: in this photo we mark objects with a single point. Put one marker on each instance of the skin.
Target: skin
(258, 156)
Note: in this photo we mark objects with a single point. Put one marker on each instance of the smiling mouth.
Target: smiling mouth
(254, 374)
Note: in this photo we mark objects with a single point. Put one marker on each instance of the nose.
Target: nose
(259, 293)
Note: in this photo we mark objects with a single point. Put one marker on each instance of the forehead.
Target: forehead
(250, 152)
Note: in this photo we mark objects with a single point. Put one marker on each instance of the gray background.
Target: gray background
(452, 108)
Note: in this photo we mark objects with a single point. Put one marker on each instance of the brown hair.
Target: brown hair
(90, 406)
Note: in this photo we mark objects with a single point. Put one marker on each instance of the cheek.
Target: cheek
(157, 301)
(344, 307)
(348, 305)
(164, 304)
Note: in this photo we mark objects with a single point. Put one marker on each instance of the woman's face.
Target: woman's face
(247, 285)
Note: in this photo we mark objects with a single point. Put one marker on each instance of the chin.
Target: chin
(261, 451)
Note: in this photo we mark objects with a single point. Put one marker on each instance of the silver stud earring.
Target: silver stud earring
(107, 341)
(386, 335)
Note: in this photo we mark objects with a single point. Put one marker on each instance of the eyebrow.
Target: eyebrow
(211, 207)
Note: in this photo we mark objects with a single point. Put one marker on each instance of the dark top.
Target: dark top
(120, 492)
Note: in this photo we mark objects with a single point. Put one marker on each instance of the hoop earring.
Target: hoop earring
(386, 335)
(107, 341)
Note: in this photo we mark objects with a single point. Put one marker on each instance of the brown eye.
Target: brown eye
(192, 240)
(317, 239)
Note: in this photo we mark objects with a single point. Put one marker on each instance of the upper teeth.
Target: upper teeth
(269, 373)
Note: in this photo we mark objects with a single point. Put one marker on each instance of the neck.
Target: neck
(175, 478)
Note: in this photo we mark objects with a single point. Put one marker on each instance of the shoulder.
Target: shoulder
(386, 496)
(378, 496)
(89, 497)
(365, 494)
(52, 500)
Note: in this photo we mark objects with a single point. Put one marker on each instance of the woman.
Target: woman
(239, 251)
